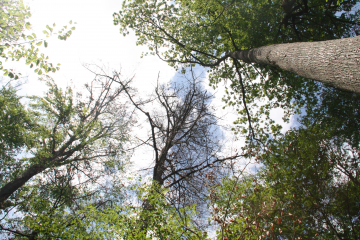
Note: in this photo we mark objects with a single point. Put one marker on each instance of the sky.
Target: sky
(97, 41)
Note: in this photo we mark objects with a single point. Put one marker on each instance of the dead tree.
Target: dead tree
(185, 138)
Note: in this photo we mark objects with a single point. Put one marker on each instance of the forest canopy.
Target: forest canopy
(66, 156)
(237, 40)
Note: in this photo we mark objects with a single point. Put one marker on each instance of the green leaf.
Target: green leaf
(50, 29)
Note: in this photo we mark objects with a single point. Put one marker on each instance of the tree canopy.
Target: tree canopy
(203, 31)
(64, 156)
(213, 33)
(61, 148)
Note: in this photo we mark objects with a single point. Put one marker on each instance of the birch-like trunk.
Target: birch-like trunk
(333, 62)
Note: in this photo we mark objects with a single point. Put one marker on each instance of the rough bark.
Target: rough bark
(333, 62)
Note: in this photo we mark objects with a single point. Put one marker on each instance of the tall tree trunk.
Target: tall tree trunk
(333, 62)
(11, 187)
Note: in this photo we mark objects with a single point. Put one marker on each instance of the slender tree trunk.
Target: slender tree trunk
(333, 62)
(11, 187)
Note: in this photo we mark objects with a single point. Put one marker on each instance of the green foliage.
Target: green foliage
(198, 31)
(337, 112)
(70, 149)
(202, 31)
(322, 173)
(161, 221)
(308, 186)
(114, 219)
(185, 33)
(13, 118)
(16, 45)
(15, 125)
(248, 208)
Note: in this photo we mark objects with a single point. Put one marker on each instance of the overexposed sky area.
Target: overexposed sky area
(95, 41)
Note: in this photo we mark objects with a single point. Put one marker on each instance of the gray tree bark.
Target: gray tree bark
(333, 62)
